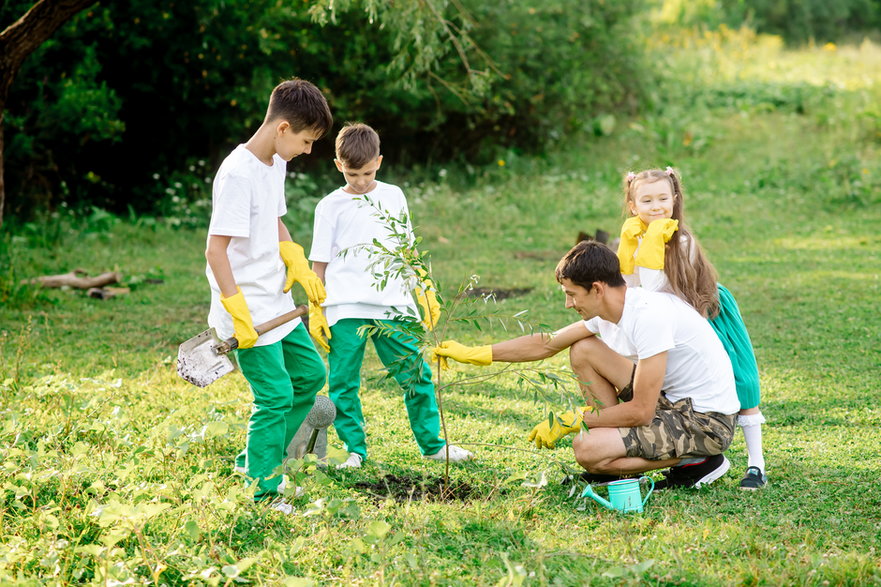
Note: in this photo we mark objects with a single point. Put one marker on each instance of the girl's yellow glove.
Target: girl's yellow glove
(318, 327)
(630, 231)
(547, 435)
(243, 325)
(450, 349)
(651, 249)
(298, 271)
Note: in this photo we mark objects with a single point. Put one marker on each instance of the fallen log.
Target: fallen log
(77, 278)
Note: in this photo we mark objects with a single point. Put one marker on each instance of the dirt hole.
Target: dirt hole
(402, 488)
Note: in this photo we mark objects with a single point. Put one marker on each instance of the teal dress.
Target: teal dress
(732, 332)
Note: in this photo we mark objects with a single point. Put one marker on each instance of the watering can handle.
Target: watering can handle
(649, 492)
(231, 343)
(589, 492)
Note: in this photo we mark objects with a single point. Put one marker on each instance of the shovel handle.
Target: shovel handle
(231, 343)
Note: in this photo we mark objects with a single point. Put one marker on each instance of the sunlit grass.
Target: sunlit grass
(786, 204)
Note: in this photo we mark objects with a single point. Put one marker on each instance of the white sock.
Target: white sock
(752, 434)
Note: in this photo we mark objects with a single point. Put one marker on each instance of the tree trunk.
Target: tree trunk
(19, 40)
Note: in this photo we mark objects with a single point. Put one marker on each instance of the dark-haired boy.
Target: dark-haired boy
(345, 221)
(252, 265)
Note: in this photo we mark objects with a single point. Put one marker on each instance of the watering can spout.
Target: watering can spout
(589, 492)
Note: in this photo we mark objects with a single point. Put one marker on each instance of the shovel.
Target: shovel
(204, 359)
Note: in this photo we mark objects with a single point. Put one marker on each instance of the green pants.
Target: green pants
(284, 378)
(399, 353)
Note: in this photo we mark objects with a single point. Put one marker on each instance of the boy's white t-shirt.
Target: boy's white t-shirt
(697, 364)
(345, 222)
(247, 201)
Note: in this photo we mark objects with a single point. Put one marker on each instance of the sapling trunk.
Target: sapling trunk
(440, 411)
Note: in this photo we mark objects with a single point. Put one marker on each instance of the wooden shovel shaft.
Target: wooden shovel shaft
(232, 343)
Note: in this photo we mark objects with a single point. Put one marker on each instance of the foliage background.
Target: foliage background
(129, 93)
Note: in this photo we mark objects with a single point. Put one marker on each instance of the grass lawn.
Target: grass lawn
(115, 470)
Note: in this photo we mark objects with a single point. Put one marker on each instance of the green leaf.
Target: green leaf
(378, 529)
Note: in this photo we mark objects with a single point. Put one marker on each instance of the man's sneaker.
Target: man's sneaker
(754, 479)
(353, 462)
(457, 454)
(695, 475)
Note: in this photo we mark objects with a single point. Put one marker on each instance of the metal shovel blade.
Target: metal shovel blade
(203, 359)
(199, 362)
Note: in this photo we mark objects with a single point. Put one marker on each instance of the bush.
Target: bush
(797, 21)
(130, 91)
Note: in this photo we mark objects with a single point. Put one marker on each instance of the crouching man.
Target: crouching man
(659, 383)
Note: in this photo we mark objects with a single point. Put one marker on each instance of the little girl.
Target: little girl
(651, 257)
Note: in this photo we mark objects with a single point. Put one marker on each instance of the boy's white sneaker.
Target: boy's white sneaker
(457, 454)
(282, 506)
(353, 462)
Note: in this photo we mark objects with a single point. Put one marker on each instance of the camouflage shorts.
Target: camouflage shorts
(677, 431)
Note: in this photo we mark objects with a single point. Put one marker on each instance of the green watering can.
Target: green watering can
(625, 495)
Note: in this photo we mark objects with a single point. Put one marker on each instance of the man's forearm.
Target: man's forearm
(640, 410)
(532, 347)
(538, 346)
(626, 415)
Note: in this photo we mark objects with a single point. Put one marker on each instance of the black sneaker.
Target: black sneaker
(695, 475)
(754, 479)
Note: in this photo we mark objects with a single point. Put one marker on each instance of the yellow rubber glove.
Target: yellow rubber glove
(476, 355)
(547, 435)
(243, 326)
(651, 250)
(318, 327)
(298, 271)
(431, 310)
(630, 231)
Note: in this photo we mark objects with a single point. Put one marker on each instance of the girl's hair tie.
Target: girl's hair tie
(669, 170)
(630, 177)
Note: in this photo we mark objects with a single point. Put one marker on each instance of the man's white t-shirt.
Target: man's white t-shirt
(697, 364)
(344, 224)
(247, 201)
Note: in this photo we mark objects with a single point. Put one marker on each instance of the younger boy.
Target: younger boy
(344, 222)
(252, 264)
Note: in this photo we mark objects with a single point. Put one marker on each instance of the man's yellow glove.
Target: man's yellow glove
(651, 250)
(318, 327)
(547, 435)
(476, 355)
(630, 231)
(298, 271)
(431, 310)
(243, 325)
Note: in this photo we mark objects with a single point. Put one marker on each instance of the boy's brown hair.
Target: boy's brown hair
(301, 104)
(357, 145)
